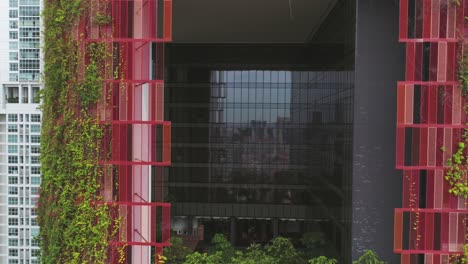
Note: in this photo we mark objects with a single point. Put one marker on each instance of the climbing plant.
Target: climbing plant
(456, 173)
(74, 226)
(463, 72)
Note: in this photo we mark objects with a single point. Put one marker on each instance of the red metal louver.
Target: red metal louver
(136, 139)
(430, 119)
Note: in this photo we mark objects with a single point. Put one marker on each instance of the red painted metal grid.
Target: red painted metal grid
(131, 20)
(430, 117)
(136, 141)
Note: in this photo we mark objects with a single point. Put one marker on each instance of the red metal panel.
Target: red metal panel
(168, 19)
(410, 58)
(442, 62)
(418, 19)
(430, 189)
(403, 19)
(130, 110)
(432, 147)
(435, 18)
(424, 112)
(460, 17)
(415, 149)
(401, 96)
(420, 231)
(434, 53)
(409, 104)
(451, 61)
(405, 259)
(428, 258)
(407, 177)
(400, 147)
(427, 18)
(444, 234)
(423, 143)
(432, 105)
(398, 231)
(438, 229)
(457, 107)
(418, 62)
(429, 236)
(443, 18)
(462, 232)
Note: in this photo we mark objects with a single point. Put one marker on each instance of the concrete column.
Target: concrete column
(380, 63)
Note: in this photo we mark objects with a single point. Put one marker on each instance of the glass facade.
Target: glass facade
(262, 137)
(269, 129)
(260, 152)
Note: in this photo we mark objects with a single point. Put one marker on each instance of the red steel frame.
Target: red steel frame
(137, 140)
(430, 117)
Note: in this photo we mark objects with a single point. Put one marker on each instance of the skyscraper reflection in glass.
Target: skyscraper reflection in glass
(260, 153)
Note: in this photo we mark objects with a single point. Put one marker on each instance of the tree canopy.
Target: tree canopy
(280, 250)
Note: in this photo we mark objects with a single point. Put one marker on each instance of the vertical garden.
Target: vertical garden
(73, 227)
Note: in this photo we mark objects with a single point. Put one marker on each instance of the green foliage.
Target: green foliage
(253, 255)
(463, 73)
(457, 170)
(177, 252)
(198, 258)
(222, 246)
(457, 163)
(323, 260)
(161, 259)
(73, 229)
(283, 252)
(465, 253)
(102, 19)
(221, 243)
(280, 250)
(369, 257)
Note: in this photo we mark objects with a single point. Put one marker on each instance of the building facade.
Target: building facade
(431, 124)
(137, 138)
(278, 128)
(278, 123)
(20, 122)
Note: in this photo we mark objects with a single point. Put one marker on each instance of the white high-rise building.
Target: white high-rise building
(20, 64)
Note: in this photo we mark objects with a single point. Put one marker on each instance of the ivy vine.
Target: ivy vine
(73, 228)
(463, 73)
(456, 172)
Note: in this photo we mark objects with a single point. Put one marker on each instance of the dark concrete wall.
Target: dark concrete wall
(376, 184)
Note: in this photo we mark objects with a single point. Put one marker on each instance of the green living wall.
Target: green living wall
(74, 228)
